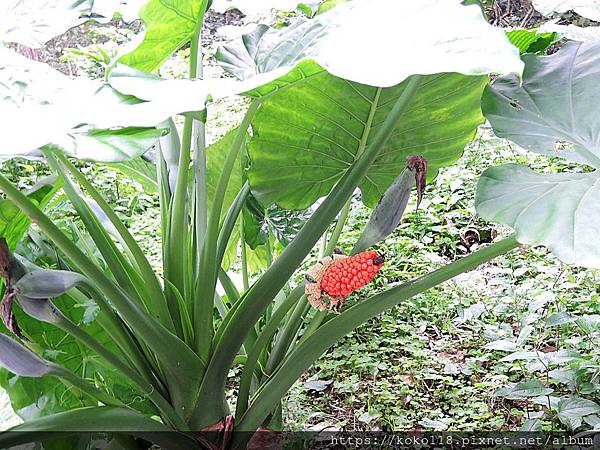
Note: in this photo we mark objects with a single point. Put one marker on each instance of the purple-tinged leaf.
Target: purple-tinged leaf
(47, 283)
(21, 361)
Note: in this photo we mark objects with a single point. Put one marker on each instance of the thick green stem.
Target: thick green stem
(144, 266)
(286, 335)
(145, 388)
(335, 236)
(87, 388)
(244, 256)
(272, 281)
(180, 377)
(203, 307)
(263, 340)
(270, 394)
(339, 227)
(179, 238)
(199, 137)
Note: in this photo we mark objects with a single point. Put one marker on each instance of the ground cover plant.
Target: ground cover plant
(131, 342)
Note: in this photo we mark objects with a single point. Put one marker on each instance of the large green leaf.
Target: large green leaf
(297, 157)
(532, 41)
(560, 211)
(585, 8)
(269, 59)
(554, 112)
(170, 24)
(555, 105)
(355, 41)
(306, 136)
(84, 118)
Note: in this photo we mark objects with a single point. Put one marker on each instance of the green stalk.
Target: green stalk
(270, 283)
(339, 227)
(203, 307)
(87, 388)
(229, 222)
(261, 343)
(179, 229)
(229, 287)
(319, 316)
(199, 137)
(270, 394)
(145, 388)
(122, 337)
(286, 335)
(244, 253)
(181, 364)
(244, 256)
(144, 266)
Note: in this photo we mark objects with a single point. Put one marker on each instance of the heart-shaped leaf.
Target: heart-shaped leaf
(559, 211)
(170, 24)
(308, 134)
(21, 361)
(553, 111)
(305, 137)
(355, 41)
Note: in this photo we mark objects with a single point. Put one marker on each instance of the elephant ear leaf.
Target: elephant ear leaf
(318, 117)
(21, 361)
(554, 111)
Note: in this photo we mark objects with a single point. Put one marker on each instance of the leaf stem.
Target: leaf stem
(206, 284)
(268, 396)
(180, 363)
(144, 266)
(262, 292)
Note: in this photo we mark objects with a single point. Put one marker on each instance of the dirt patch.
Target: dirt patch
(94, 33)
(521, 14)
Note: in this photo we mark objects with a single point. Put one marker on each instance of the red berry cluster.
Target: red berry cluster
(349, 274)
